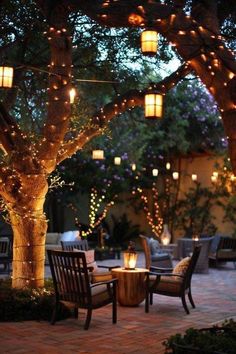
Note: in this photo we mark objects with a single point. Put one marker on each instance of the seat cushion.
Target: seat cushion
(160, 256)
(168, 284)
(100, 276)
(100, 294)
(182, 266)
(226, 253)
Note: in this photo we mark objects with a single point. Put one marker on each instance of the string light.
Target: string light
(155, 221)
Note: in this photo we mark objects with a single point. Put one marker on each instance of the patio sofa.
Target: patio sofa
(223, 249)
(53, 241)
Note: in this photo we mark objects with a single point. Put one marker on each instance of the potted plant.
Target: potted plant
(214, 340)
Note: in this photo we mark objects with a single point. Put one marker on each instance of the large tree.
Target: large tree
(193, 27)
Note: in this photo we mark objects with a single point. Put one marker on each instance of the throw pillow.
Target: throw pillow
(154, 246)
(90, 258)
(182, 266)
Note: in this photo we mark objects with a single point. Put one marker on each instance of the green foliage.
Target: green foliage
(27, 304)
(123, 231)
(230, 212)
(193, 212)
(205, 341)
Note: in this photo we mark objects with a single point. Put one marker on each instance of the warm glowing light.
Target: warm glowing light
(149, 40)
(194, 177)
(175, 175)
(168, 165)
(135, 19)
(6, 76)
(72, 94)
(117, 160)
(133, 166)
(130, 260)
(153, 105)
(155, 172)
(195, 238)
(213, 179)
(215, 174)
(98, 154)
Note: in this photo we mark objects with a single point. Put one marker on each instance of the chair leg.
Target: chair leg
(88, 319)
(151, 298)
(147, 302)
(114, 311)
(55, 312)
(114, 304)
(191, 299)
(184, 304)
(76, 312)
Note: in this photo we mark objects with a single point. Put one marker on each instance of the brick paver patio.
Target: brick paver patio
(136, 332)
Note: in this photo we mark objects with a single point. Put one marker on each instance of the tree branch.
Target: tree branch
(122, 103)
(8, 128)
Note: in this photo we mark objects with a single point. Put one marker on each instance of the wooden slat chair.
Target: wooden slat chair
(161, 259)
(83, 246)
(71, 279)
(173, 282)
(5, 253)
(79, 244)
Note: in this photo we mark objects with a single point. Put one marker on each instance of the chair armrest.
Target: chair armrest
(109, 267)
(167, 274)
(114, 281)
(161, 269)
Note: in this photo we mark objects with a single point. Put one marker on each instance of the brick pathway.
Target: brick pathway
(136, 332)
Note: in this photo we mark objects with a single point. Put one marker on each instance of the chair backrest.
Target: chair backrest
(192, 265)
(5, 247)
(70, 276)
(203, 259)
(70, 245)
(146, 249)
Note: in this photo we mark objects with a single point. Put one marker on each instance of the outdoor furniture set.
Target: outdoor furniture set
(76, 284)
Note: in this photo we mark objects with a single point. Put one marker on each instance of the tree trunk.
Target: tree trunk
(28, 249)
(29, 226)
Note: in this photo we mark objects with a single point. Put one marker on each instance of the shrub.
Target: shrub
(27, 304)
(215, 340)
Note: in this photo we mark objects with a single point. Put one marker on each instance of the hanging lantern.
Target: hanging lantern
(155, 172)
(168, 165)
(175, 175)
(98, 155)
(153, 105)
(72, 94)
(6, 76)
(213, 179)
(117, 160)
(194, 177)
(149, 40)
(130, 257)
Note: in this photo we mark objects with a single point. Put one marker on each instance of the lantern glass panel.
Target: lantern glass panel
(153, 105)
(130, 260)
(149, 40)
(98, 154)
(117, 160)
(6, 76)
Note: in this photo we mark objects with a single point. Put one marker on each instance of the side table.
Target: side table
(131, 285)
